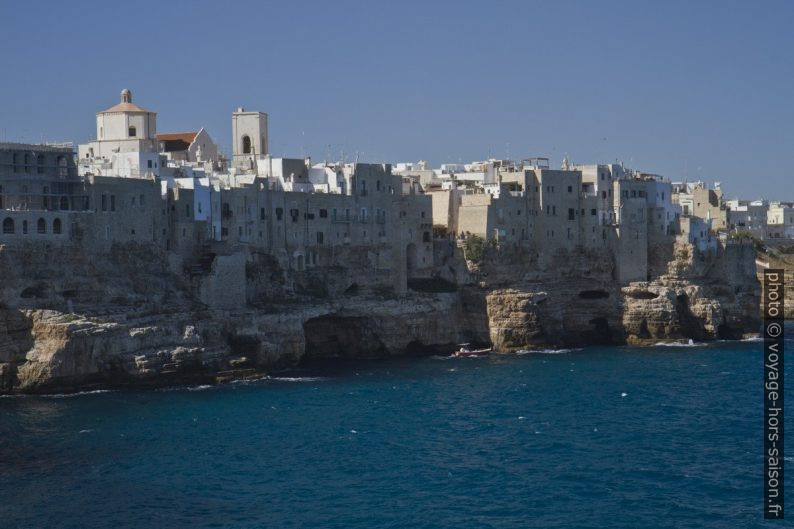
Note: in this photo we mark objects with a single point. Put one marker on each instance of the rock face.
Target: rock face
(132, 318)
(701, 297)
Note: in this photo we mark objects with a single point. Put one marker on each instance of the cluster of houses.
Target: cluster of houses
(178, 191)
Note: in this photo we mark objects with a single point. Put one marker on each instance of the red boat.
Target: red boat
(465, 352)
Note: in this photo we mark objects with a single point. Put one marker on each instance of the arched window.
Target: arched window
(41, 226)
(8, 226)
(133, 132)
(24, 227)
(40, 164)
(246, 145)
(56, 226)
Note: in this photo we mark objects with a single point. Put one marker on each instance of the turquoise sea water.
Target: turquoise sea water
(599, 437)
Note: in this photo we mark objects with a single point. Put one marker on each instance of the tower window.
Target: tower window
(246, 145)
(133, 132)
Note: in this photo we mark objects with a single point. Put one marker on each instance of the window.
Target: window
(377, 185)
(246, 145)
(426, 236)
(554, 210)
(279, 213)
(41, 226)
(571, 214)
(320, 237)
(570, 189)
(112, 202)
(323, 213)
(104, 202)
(149, 164)
(593, 211)
(24, 227)
(56, 226)
(8, 226)
(132, 201)
(141, 201)
(603, 194)
(40, 164)
(133, 132)
(261, 213)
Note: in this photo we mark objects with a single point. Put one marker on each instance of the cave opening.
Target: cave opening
(593, 294)
(600, 334)
(333, 336)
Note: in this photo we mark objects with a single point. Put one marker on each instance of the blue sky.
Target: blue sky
(697, 90)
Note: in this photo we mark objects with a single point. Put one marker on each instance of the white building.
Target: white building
(126, 143)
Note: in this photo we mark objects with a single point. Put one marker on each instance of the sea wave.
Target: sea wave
(297, 379)
(56, 395)
(77, 394)
(690, 343)
(545, 351)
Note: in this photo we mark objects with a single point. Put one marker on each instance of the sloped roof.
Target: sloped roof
(126, 107)
(176, 141)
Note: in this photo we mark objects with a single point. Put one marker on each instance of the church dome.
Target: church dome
(126, 104)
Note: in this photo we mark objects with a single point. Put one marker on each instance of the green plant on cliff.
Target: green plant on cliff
(474, 248)
(749, 237)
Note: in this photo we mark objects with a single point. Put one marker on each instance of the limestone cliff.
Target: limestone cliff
(138, 317)
(574, 301)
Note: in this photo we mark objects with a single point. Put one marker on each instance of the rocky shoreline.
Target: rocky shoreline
(130, 321)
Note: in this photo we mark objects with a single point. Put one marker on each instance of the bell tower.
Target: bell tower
(249, 138)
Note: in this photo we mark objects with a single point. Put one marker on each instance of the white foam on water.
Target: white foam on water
(690, 343)
(77, 394)
(297, 379)
(86, 431)
(624, 394)
(202, 387)
(545, 351)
